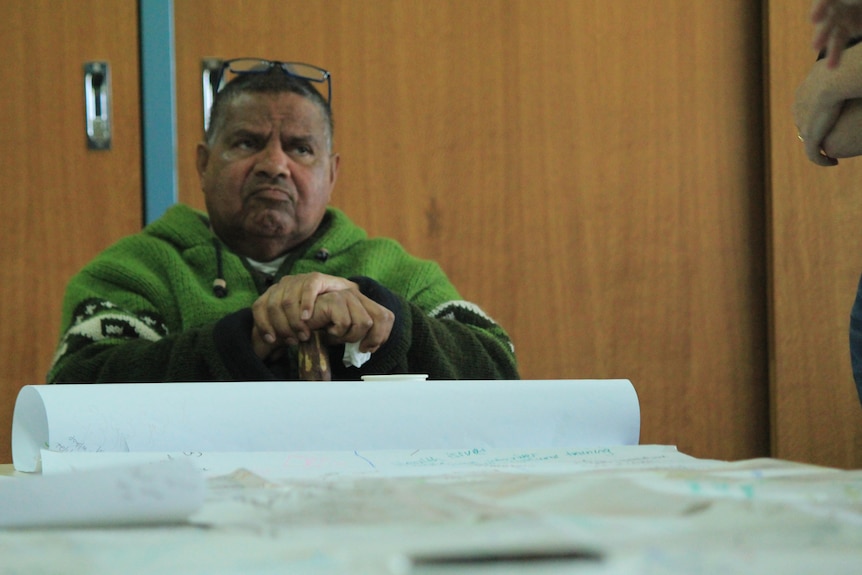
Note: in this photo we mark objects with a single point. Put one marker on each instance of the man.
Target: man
(230, 294)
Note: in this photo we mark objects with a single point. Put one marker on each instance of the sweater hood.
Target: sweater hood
(186, 228)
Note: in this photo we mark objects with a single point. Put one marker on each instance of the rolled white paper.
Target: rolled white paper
(315, 416)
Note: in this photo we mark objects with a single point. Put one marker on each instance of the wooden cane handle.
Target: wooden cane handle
(314, 359)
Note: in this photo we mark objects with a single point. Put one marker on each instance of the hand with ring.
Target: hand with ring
(827, 110)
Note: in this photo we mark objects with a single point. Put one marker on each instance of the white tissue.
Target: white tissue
(354, 357)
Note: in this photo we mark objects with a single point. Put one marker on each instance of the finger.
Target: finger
(821, 159)
(382, 321)
(315, 284)
(819, 10)
(346, 320)
(821, 35)
(276, 314)
(287, 311)
(819, 126)
(286, 308)
(835, 47)
(262, 348)
(261, 319)
(815, 153)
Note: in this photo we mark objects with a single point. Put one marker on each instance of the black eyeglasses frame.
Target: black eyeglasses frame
(309, 72)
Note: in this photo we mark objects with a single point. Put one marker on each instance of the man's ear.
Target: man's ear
(333, 169)
(202, 159)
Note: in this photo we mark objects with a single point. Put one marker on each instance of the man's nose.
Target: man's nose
(273, 161)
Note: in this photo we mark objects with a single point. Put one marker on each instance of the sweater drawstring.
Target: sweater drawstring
(219, 284)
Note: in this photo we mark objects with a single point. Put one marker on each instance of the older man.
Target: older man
(231, 294)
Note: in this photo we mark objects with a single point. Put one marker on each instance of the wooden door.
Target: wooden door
(61, 202)
(589, 172)
(815, 265)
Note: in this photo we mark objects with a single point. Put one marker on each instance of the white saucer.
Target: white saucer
(396, 377)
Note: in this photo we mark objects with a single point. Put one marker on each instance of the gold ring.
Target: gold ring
(798, 135)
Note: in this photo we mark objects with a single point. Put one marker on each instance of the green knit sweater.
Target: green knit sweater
(145, 310)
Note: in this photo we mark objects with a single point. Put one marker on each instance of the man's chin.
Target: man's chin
(270, 223)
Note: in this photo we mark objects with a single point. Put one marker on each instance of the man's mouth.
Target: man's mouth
(272, 194)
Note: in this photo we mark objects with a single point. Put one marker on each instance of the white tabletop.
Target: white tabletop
(638, 509)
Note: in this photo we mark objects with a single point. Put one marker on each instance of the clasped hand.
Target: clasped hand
(291, 309)
(828, 110)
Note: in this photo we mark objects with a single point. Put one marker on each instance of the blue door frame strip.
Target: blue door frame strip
(158, 107)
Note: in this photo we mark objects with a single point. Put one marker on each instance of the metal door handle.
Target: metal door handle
(97, 104)
(210, 67)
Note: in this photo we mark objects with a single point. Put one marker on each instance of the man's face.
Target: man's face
(269, 173)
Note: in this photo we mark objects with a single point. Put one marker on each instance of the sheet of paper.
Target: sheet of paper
(394, 463)
(322, 416)
(162, 492)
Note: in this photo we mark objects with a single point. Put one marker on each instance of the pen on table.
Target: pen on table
(404, 564)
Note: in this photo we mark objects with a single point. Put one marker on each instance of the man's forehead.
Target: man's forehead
(251, 109)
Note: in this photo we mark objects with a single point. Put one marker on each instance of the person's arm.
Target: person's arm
(455, 340)
(828, 110)
(89, 353)
(121, 324)
(412, 319)
(466, 344)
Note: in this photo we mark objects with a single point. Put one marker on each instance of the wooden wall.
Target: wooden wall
(592, 173)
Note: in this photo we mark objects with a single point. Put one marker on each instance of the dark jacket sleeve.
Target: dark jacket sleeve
(219, 351)
(457, 343)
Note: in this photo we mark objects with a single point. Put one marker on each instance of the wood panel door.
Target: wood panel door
(62, 203)
(815, 265)
(589, 172)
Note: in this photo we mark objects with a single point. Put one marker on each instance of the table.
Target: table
(637, 509)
